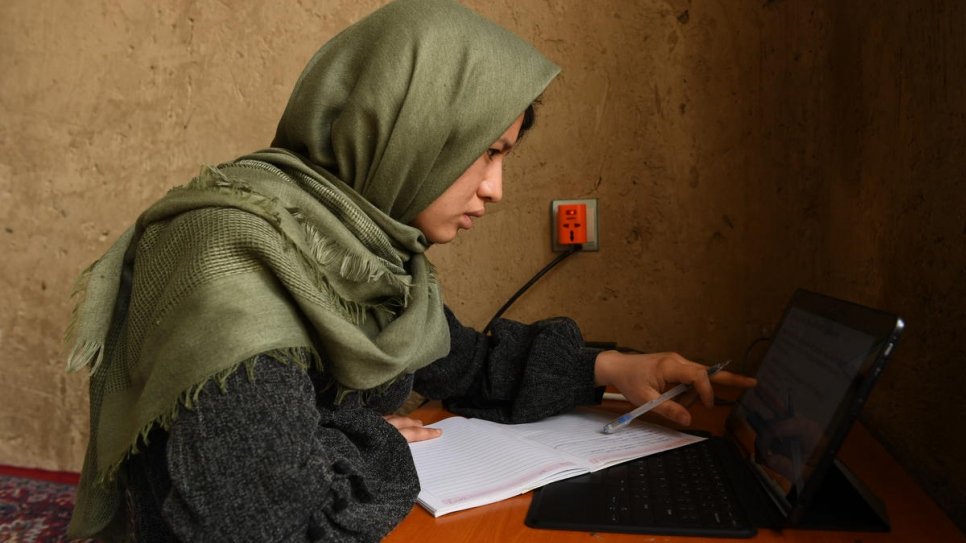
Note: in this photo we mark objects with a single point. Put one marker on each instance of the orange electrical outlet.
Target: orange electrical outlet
(571, 224)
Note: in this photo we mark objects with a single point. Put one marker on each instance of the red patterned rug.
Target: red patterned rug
(35, 504)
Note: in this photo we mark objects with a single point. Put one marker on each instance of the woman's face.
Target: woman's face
(466, 198)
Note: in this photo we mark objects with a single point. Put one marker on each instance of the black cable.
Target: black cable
(744, 360)
(534, 279)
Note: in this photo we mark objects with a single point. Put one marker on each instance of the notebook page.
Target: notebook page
(579, 434)
(477, 462)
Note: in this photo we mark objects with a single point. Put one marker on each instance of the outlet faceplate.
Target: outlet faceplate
(592, 235)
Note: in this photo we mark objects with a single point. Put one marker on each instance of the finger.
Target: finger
(701, 383)
(681, 370)
(400, 422)
(419, 433)
(728, 378)
(688, 398)
(674, 412)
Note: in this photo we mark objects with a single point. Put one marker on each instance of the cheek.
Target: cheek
(467, 185)
(438, 214)
(455, 199)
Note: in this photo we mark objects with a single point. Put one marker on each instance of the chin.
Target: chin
(443, 237)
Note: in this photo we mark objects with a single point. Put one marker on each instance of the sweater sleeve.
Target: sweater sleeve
(520, 373)
(260, 461)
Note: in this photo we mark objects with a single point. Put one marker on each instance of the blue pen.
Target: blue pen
(626, 418)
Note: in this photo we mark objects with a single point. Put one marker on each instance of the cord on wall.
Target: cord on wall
(572, 249)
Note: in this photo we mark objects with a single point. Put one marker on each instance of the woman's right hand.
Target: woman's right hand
(643, 377)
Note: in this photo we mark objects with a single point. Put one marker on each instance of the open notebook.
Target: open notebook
(476, 462)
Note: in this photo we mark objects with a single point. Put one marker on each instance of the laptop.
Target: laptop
(775, 466)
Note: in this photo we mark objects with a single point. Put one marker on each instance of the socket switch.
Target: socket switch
(591, 206)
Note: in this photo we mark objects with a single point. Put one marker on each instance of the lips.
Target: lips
(466, 220)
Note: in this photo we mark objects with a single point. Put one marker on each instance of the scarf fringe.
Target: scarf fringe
(189, 399)
(84, 351)
(323, 253)
(351, 266)
(210, 178)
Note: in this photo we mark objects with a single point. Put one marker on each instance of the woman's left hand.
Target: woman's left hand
(412, 429)
(643, 377)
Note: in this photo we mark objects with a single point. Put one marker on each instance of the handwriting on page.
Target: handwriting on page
(581, 436)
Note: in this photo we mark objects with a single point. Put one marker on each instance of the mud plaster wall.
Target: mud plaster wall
(738, 150)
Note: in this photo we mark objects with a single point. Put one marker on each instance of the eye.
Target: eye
(492, 153)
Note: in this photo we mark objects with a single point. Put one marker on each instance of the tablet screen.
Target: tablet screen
(809, 383)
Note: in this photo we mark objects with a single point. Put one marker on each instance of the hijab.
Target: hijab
(304, 245)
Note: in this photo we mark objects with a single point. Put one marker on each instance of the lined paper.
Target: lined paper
(476, 462)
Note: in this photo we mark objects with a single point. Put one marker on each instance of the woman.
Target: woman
(250, 335)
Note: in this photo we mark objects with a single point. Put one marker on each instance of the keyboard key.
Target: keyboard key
(683, 487)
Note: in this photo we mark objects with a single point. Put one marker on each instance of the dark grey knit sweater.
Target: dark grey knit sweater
(274, 459)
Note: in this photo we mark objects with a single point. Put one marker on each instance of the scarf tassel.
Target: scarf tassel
(354, 267)
(323, 253)
(85, 353)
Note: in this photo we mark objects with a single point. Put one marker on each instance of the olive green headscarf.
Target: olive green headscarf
(302, 245)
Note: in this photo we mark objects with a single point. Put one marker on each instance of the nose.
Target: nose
(491, 188)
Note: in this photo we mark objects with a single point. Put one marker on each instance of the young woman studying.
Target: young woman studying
(251, 335)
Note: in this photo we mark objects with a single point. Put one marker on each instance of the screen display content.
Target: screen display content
(779, 424)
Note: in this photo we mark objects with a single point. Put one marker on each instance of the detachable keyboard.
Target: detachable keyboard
(684, 491)
(684, 487)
